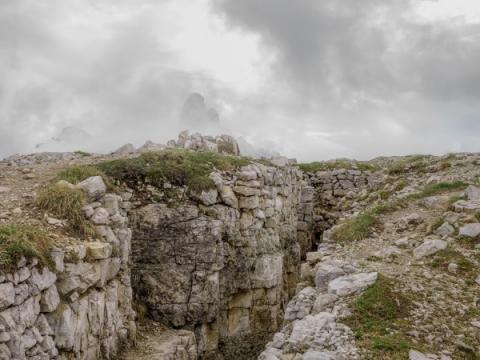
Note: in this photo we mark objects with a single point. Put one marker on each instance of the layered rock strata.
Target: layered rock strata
(223, 263)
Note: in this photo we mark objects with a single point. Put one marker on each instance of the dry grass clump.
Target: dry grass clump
(66, 203)
(17, 241)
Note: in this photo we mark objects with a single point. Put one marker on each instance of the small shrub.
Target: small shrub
(357, 228)
(66, 203)
(23, 240)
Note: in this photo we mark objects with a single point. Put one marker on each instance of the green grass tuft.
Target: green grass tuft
(338, 164)
(443, 258)
(178, 167)
(357, 228)
(377, 320)
(17, 241)
(76, 174)
(66, 203)
(439, 188)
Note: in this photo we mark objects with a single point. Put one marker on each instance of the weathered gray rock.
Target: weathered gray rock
(7, 295)
(100, 216)
(473, 193)
(94, 187)
(323, 301)
(98, 250)
(329, 270)
(350, 284)
(228, 196)
(470, 230)
(301, 305)
(429, 247)
(208, 197)
(42, 280)
(445, 230)
(50, 300)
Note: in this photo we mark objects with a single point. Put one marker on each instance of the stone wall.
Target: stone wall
(81, 308)
(336, 193)
(222, 263)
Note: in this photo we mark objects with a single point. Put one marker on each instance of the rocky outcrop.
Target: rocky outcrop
(312, 327)
(224, 262)
(224, 144)
(81, 308)
(336, 193)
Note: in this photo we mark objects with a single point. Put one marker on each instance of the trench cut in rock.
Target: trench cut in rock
(225, 261)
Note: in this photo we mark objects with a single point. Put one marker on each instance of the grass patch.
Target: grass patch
(66, 203)
(17, 241)
(439, 188)
(447, 256)
(82, 153)
(315, 166)
(76, 174)
(178, 167)
(378, 321)
(357, 228)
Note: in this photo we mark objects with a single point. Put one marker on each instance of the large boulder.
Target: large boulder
(94, 187)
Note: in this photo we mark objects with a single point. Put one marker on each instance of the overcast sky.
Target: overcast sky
(311, 79)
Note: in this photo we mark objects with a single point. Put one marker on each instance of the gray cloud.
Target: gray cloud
(111, 82)
(348, 78)
(369, 74)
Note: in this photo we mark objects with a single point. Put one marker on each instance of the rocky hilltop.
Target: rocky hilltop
(191, 251)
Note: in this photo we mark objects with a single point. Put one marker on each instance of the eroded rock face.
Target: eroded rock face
(81, 308)
(223, 267)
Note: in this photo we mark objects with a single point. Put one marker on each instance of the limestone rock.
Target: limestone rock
(470, 230)
(100, 217)
(351, 284)
(50, 299)
(99, 250)
(94, 187)
(329, 270)
(301, 305)
(7, 295)
(445, 230)
(42, 280)
(429, 247)
(473, 193)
